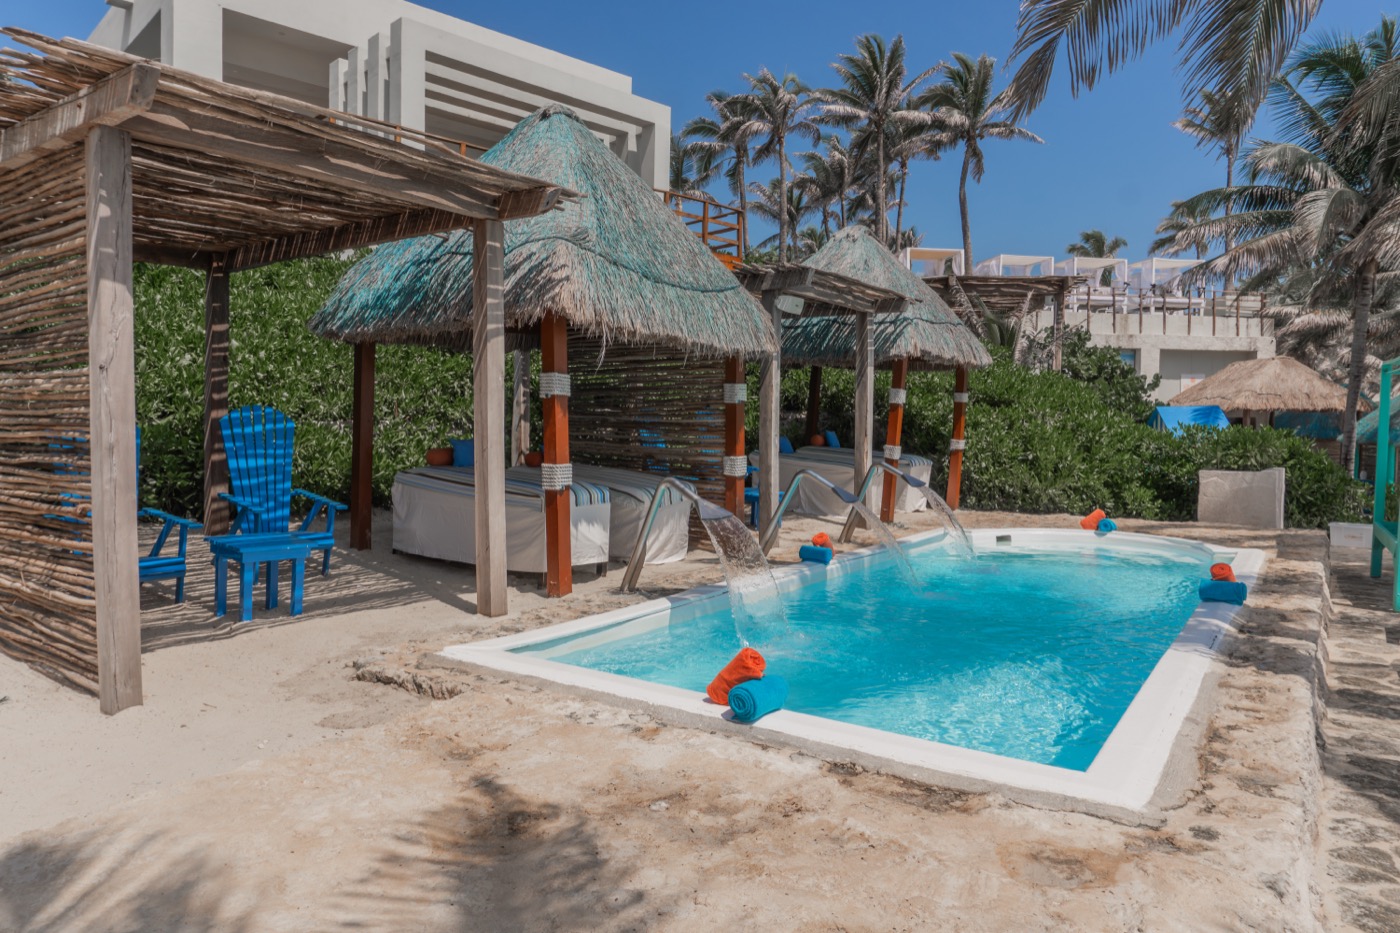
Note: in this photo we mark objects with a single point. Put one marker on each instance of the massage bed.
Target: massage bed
(630, 495)
(837, 464)
(435, 516)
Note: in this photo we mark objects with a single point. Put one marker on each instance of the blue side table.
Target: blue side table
(250, 552)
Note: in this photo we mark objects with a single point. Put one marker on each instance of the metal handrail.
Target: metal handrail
(849, 529)
(765, 544)
(708, 512)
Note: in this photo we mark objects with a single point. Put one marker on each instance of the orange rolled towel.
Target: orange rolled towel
(747, 665)
(822, 539)
(1091, 521)
(1222, 572)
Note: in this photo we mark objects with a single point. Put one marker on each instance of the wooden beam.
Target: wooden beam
(955, 451)
(771, 379)
(321, 160)
(181, 258)
(216, 343)
(554, 400)
(894, 433)
(488, 387)
(814, 402)
(520, 407)
(108, 102)
(362, 448)
(865, 405)
(357, 235)
(112, 371)
(528, 202)
(735, 461)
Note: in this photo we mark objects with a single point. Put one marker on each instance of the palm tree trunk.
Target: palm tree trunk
(881, 208)
(899, 209)
(1360, 323)
(966, 223)
(782, 201)
(1229, 206)
(740, 158)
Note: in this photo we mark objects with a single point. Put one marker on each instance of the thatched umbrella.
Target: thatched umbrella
(617, 265)
(1277, 383)
(926, 334)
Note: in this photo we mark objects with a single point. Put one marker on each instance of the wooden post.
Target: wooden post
(865, 405)
(1060, 319)
(488, 413)
(362, 448)
(814, 402)
(894, 432)
(112, 374)
(959, 442)
(520, 408)
(216, 481)
(736, 464)
(771, 378)
(557, 475)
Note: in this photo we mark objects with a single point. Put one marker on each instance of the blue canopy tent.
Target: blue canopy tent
(1175, 418)
(1318, 425)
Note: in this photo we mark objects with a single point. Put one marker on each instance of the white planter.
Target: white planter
(1349, 534)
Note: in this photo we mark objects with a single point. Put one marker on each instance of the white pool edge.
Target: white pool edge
(1122, 781)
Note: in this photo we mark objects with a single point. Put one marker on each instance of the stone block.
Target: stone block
(1248, 499)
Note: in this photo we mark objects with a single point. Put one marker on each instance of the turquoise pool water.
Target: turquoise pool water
(1032, 655)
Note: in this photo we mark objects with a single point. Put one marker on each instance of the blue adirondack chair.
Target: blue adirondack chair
(156, 565)
(259, 442)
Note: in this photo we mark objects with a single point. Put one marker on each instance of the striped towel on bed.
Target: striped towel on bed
(522, 484)
(630, 483)
(846, 455)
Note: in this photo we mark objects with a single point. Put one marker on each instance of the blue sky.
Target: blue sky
(1111, 158)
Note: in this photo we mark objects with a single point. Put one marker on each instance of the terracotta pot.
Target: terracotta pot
(534, 458)
(440, 456)
(817, 440)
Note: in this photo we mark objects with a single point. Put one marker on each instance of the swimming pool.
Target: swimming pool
(1058, 662)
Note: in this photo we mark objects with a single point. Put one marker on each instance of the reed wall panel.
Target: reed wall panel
(48, 608)
(650, 410)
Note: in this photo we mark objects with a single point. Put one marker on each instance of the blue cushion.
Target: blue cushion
(463, 452)
(784, 446)
(831, 439)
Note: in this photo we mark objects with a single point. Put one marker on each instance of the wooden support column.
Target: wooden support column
(770, 385)
(894, 433)
(1060, 301)
(520, 407)
(112, 371)
(362, 448)
(814, 403)
(488, 413)
(557, 472)
(865, 406)
(216, 481)
(736, 463)
(959, 442)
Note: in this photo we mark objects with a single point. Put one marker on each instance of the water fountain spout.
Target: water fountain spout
(771, 535)
(934, 500)
(707, 511)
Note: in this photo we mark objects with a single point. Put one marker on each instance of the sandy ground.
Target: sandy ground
(262, 787)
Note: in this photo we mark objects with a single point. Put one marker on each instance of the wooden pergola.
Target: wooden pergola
(106, 160)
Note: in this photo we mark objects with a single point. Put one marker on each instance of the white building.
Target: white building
(392, 60)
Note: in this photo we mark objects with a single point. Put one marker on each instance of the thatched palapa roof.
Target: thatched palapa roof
(1277, 383)
(617, 264)
(926, 332)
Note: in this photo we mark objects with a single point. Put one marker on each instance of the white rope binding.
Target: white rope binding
(552, 384)
(736, 466)
(960, 397)
(897, 396)
(957, 444)
(894, 452)
(736, 393)
(556, 476)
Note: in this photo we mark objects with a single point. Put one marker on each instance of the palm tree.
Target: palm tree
(1179, 231)
(875, 95)
(1326, 202)
(965, 107)
(725, 140)
(1095, 244)
(765, 205)
(1219, 122)
(773, 110)
(689, 172)
(909, 141)
(826, 180)
(1234, 47)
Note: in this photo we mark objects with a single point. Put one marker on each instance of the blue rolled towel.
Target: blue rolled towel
(1106, 525)
(817, 555)
(1223, 591)
(754, 699)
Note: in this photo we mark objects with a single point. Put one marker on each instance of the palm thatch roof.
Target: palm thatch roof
(926, 332)
(618, 265)
(1278, 383)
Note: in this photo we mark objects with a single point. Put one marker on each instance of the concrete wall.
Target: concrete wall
(395, 61)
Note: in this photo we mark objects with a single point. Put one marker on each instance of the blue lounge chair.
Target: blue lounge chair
(259, 442)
